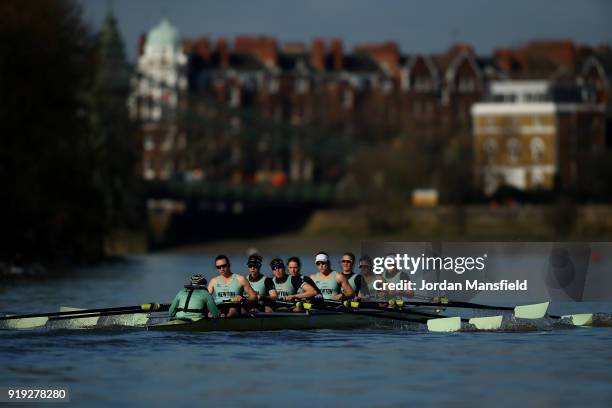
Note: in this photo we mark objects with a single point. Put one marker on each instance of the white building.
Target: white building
(157, 87)
(160, 74)
(530, 134)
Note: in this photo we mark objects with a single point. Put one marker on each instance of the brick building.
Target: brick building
(540, 130)
(258, 110)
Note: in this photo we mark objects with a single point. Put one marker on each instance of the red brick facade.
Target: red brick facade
(373, 89)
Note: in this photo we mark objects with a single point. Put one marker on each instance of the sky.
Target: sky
(425, 26)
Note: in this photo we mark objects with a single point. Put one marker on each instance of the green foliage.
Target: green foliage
(54, 204)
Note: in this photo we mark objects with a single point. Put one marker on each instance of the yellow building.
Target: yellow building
(532, 134)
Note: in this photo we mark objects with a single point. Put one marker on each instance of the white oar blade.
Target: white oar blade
(487, 323)
(68, 309)
(535, 311)
(128, 319)
(76, 321)
(444, 325)
(580, 319)
(26, 323)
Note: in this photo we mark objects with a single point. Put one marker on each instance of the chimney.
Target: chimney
(294, 48)
(268, 51)
(337, 57)
(223, 53)
(317, 54)
(264, 48)
(504, 59)
(201, 47)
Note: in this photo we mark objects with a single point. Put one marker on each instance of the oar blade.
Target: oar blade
(68, 309)
(580, 319)
(444, 325)
(534, 311)
(487, 323)
(78, 322)
(26, 323)
(129, 320)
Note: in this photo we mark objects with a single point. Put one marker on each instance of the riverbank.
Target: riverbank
(336, 230)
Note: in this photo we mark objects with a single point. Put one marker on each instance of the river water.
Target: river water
(359, 368)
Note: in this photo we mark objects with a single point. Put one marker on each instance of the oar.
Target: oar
(40, 319)
(437, 322)
(379, 313)
(533, 311)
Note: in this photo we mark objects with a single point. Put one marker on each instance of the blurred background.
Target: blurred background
(142, 125)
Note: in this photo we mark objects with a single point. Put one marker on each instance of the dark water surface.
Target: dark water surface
(359, 368)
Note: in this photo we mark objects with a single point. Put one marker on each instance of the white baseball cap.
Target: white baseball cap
(321, 258)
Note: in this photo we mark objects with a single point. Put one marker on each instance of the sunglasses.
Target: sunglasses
(318, 263)
(223, 266)
(278, 267)
(346, 261)
(253, 266)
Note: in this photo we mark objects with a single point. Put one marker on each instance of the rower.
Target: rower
(193, 301)
(294, 267)
(346, 263)
(367, 277)
(228, 288)
(392, 275)
(333, 285)
(262, 285)
(290, 287)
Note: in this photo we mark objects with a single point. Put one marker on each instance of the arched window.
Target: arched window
(490, 150)
(514, 150)
(536, 146)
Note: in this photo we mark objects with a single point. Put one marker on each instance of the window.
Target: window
(156, 112)
(301, 86)
(168, 143)
(149, 144)
(273, 86)
(234, 97)
(347, 99)
(537, 149)
(514, 150)
(422, 84)
(537, 121)
(167, 170)
(490, 150)
(467, 84)
(149, 172)
(537, 179)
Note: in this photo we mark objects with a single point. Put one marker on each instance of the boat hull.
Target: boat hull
(273, 321)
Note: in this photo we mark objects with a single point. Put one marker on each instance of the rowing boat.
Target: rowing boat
(309, 320)
(326, 315)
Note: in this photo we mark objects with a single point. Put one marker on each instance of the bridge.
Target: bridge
(186, 212)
